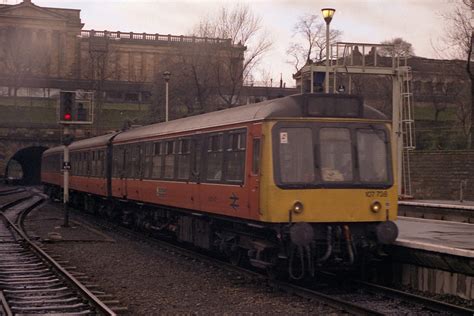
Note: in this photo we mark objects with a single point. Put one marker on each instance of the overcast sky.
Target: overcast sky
(369, 21)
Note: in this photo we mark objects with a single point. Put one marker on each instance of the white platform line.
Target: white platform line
(435, 248)
(437, 205)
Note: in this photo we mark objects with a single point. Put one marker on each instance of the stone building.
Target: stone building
(44, 50)
(48, 48)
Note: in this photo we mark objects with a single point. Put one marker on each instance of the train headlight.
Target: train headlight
(298, 207)
(376, 207)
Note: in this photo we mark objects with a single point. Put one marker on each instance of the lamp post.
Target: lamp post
(166, 76)
(328, 13)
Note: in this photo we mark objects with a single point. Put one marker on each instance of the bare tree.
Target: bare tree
(442, 95)
(101, 66)
(459, 38)
(25, 56)
(234, 63)
(463, 115)
(197, 64)
(311, 42)
(401, 48)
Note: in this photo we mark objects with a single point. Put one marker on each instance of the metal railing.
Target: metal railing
(117, 35)
(347, 54)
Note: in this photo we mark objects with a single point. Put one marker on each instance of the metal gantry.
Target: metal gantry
(356, 59)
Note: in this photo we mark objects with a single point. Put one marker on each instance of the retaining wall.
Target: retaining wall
(437, 175)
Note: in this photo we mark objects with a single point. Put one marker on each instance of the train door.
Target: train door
(133, 171)
(254, 161)
(138, 170)
(196, 162)
(124, 173)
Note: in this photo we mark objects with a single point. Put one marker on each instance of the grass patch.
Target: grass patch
(12, 114)
(428, 113)
(109, 118)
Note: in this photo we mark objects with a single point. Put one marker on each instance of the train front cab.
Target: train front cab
(333, 181)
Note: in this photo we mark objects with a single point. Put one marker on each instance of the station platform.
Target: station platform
(455, 211)
(438, 236)
(434, 256)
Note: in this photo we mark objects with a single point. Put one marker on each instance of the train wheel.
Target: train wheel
(236, 257)
(89, 204)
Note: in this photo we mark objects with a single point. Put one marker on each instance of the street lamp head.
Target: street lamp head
(167, 75)
(328, 13)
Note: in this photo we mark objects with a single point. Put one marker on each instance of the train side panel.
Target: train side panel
(54, 178)
(233, 200)
(92, 185)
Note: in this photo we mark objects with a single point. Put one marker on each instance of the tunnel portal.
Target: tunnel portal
(24, 167)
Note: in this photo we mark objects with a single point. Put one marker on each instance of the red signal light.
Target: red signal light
(67, 116)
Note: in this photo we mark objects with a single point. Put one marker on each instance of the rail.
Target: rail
(333, 302)
(91, 298)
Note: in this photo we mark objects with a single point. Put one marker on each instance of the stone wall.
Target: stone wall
(438, 174)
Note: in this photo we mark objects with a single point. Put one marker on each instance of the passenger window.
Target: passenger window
(197, 151)
(130, 161)
(296, 155)
(157, 160)
(214, 157)
(79, 164)
(99, 163)
(94, 164)
(117, 161)
(184, 159)
(103, 162)
(123, 161)
(169, 159)
(336, 154)
(147, 161)
(138, 161)
(235, 157)
(88, 163)
(372, 156)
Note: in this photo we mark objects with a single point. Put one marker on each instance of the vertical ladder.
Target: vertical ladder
(407, 121)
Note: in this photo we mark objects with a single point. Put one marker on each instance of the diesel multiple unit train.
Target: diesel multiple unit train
(304, 182)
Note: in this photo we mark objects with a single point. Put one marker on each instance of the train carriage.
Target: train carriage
(307, 178)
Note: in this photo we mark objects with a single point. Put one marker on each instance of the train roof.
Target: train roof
(53, 150)
(287, 107)
(99, 141)
(291, 106)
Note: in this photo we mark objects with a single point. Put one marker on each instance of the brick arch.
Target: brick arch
(16, 149)
(29, 158)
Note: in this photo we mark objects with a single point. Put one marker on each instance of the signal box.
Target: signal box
(75, 107)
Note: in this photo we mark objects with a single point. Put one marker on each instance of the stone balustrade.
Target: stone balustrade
(153, 37)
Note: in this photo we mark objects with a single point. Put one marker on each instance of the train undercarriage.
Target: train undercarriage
(296, 250)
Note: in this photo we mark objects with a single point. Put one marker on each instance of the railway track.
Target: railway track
(388, 300)
(11, 191)
(355, 297)
(31, 282)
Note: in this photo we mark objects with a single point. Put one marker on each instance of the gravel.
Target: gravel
(150, 281)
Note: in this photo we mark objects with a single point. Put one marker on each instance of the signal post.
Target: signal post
(75, 108)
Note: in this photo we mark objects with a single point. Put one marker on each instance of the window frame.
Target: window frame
(181, 153)
(241, 148)
(318, 183)
(169, 152)
(208, 145)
